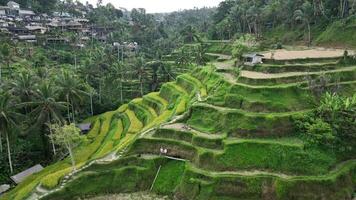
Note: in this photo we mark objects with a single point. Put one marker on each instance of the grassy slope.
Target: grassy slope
(125, 175)
(111, 131)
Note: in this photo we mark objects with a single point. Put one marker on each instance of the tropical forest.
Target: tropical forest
(149, 100)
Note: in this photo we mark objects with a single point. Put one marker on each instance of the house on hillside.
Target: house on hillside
(12, 8)
(27, 38)
(26, 13)
(36, 29)
(13, 5)
(3, 10)
(252, 59)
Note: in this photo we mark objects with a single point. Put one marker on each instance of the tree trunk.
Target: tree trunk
(9, 152)
(121, 85)
(0, 74)
(1, 148)
(141, 85)
(68, 109)
(51, 133)
(309, 35)
(73, 111)
(91, 104)
(71, 156)
(100, 91)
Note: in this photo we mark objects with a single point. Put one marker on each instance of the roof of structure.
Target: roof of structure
(18, 178)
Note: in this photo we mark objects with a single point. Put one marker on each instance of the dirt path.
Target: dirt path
(266, 173)
(131, 196)
(221, 56)
(304, 54)
(185, 127)
(229, 77)
(227, 65)
(260, 75)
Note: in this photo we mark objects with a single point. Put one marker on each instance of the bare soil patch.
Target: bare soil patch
(304, 54)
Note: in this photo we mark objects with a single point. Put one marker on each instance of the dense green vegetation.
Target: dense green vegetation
(226, 135)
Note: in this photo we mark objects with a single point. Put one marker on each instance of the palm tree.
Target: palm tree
(23, 86)
(183, 58)
(8, 119)
(305, 15)
(200, 54)
(46, 110)
(117, 75)
(189, 34)
(140, 71)
(6, 56)
(72, 89)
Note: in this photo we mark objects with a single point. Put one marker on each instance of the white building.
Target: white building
(253, 59)
(24, 13)
(13, 5)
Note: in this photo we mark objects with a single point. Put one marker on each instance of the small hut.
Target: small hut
(84, 128)
(252, 59)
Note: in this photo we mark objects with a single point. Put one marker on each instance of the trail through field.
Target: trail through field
(260, 75)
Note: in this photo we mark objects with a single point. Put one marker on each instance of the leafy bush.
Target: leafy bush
(244, 44)
(331, 125)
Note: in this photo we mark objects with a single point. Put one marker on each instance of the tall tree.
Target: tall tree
(305, 15)
(46, 110)
(66, 136)
(8, 121)
(73, 90)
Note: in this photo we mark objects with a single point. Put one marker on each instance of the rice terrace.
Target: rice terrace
(215, 103)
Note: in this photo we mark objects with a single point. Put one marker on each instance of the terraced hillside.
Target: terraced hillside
(224, 139)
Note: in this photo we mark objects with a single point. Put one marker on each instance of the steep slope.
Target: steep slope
(232, 140)
(112, 132)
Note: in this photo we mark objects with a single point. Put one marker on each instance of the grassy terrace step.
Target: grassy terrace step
(305, 67)
(144, 113)
(289, 157)
(186, 181)
(192, 137)
(236, 122)
(155, 101)
(176, 97)
(132, 174)
(200, 184)
(256, 78)
(209, 77)
(281, 98)
(135, 124)
(191, 84)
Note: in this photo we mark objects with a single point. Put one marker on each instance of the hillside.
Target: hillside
(226, 137)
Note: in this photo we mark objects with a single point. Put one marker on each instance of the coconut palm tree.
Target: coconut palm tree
(46, 109)
(8, 118)
(6, 57)
(189, 34)
(23, 86)
(140, 72)
(305, 15)
(200, 54)
(73, 90)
